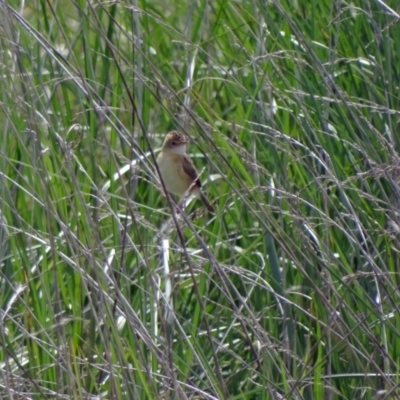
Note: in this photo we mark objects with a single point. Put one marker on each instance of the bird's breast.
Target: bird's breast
(175, 179)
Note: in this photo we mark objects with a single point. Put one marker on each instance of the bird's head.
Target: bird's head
(175, 142)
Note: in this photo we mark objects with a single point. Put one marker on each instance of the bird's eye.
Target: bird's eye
(173, 143)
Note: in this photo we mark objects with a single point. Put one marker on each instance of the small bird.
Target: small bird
(177, 169)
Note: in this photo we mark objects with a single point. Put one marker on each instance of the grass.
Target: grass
(290, 290)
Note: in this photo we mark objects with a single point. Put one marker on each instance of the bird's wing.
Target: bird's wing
(189, 169)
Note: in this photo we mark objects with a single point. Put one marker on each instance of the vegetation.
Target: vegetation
(290, 291)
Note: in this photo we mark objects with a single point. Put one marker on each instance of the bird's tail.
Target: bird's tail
(207, 203)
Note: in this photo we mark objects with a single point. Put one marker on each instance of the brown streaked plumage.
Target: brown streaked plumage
(177, 169)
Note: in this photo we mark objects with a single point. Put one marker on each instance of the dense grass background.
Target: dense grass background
(290, 291)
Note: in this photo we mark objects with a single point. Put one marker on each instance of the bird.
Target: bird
(177, 170)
